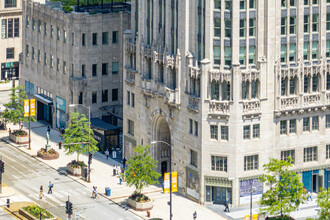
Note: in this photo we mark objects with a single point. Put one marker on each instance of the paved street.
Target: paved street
(26, 174)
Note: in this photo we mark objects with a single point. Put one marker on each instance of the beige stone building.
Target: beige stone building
(11, 38)
(74, 58)
(229, 84)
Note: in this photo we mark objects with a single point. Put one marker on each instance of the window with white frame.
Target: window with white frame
(292, 52)
(242, 27)
(315, 47)
(215, 90)
(292, 27)
(292, 126)
(328, 81)
(315, 23)
(327, 154)
(315, 123)
(306, 23)
(306, 50)
(283, 25)
(251, 162)
(246, 132)
(242, 55)
(217, 30)
(224, 133)
(219, 163)
(214, 131)
(327, 121)
(252, 27)
(256, 131)
(327, 49)
(315, 83)
(283, 127)
(283, 53)
(310, 154)
(306, 124)
(286, 154)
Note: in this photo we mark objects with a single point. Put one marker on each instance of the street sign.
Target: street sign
(166, 182)
(174, 181)
(32, 108)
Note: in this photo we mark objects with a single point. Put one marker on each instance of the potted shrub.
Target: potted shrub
(141, 172)
(49, 154)
(19, 136)
(74, 167)
(34, 212)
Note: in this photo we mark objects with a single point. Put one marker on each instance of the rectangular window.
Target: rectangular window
(45, 58)
(196, 128)
(83, 70)
(114, 67)
(217, 22)
(310, 154)
(283, 3)
(292, 3)
(242, 55)
(328, 22)
(306, 23)
(105, 95)
(315, 83)
(51, 31)
(224, 133)
(216, 55)
(228, 28)
(105, 38)
(72, 38)
(115, 37)
(306, 124)
(64, 36)
(228, 56)
(39, 26)
(315, 46)
(251, 162)
(190, 126)
(104, 68)
(130, 127)
(242, 27)
(283, 53)
(292, 86)
(94, 69)
(114, 95)
(315, 123)
(315, 23)
(242, 4)
(283, 25)
(252, 4)
(306, 2)
(80, 98)
(64, 67)
(292, 24)
(252, 54)
(16, 27)
(283, 86)
(327, 121)
(292, 53)
(214, 131)
(246, 132)
(133, 99)
(27, 52)
(94, 38)
(10, 53)
(315, 2)
(254, 89)
(306, 83)
(57, 64)
(51, 61)
(27, 21)
(252, 27)
(10, 28)
(94, 97)
(128, 98)
(286, 154)
(10, 3)
(256, 131)
(193, 158)
(228, 4)
(306, 50)
(327, 155)
(219, 163)
(39, 56)
(83, 36)
(58, 33)
(292, 126)
(327, 51)
(217, 4)
(282, 127)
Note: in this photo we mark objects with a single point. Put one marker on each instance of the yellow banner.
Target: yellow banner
(254, 217)
(32, 108)
(166, 182)
(174, 181)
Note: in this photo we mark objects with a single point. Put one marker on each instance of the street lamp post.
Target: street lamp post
(89, 138)
(155, 142)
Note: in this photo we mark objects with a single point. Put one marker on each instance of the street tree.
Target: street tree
(14, 112)
(141, 169)
(77, 132)
(285, 191)
(323, 201)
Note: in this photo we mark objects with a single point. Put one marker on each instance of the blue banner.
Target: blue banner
(60, 104)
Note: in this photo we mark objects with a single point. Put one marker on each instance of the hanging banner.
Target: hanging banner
(166, 182)
(174, 181)
(32, 108)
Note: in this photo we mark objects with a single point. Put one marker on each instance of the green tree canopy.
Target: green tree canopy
(286, 190)
(78, 132)
(14, 111)
(141, 169)
(323, 201)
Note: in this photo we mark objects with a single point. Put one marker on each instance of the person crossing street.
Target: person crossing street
(50, 187)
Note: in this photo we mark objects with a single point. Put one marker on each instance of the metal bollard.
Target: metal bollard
(8, 203)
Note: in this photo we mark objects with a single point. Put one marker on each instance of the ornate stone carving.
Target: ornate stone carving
(219, 107)
(251, 106)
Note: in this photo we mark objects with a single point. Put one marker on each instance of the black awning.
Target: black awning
(98, 123)
(42, 99)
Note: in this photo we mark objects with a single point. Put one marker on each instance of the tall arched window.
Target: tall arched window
(225, 91)
(306, 83)
(245, 89)
(315, 83)
(283, 86)
(292, 85)
(215, 90)
(254, 89)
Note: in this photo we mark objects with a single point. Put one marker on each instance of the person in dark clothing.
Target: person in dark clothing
(227, 206)
(195, 215)
(124, 162)
(50, 188)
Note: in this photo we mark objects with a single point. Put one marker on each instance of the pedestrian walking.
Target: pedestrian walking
(106, 153)
(309, 196)
(120, 180)
(41, 192)
(118, 169)
(94, 193)
(124, 162)
(114, 170)
(50, 187)
(227, 205)
(195, 215)
(48, 129)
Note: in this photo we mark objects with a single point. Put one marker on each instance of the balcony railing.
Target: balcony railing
(219, 107)
(251, 107)
(130, 74)
(194, 103)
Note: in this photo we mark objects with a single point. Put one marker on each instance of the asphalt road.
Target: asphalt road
(26, 174)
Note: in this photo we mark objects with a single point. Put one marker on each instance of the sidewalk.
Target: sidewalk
(101, 176)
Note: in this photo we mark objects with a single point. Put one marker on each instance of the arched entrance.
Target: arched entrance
(161, 151)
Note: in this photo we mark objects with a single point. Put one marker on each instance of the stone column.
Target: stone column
(204, 78)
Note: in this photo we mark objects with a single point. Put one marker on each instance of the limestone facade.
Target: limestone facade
(229, 84)
(72, 58)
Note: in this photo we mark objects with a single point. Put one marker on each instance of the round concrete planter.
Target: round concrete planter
(139, 206)
(73, 171)
(28, 216)
(47, 156)
(19, 140)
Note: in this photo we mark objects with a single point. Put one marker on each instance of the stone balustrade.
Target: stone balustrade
(219, 107)
(303, 101)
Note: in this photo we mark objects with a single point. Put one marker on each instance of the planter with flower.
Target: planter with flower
(141, 172)
(34, 212)
(19, 136)
(47, 154)
(75, 167)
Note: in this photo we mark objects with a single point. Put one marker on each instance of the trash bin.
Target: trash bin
(107, 191)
